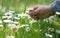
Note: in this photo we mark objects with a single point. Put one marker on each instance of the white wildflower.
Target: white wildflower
(58, 31)
(52, 19)
(0, 21)
(7, 17)
(4, 17)
(17, 27)
(7, 21)
(27, 11)
(45, 20)
(9, 25)
(23, 15)
(16, 18)
(28, 29)
(32, 21)
(29, 17)
(1, 25)
(48, 35)
(14, 22)
(23, 25)
(58, 13)
(13, 26)
(51, 29)
(10, 36)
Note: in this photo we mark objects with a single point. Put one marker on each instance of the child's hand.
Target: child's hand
(41, 12)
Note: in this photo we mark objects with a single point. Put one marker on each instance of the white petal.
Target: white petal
(27, 29)
(48, 35)
(16, 18)
(33, 21)
(7, 21)
(17, 27)
(1, 25)
(9, 16)
(10, 36)
(58, 31)
(4, 17)
(23, 25)
(58, 13)
(9, 25)
(13, 26)
(15, 22)
(0, 21)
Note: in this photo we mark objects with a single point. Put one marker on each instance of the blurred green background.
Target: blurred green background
(19, 5)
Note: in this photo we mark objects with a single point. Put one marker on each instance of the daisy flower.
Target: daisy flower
(58, 31)
(7, 21)
(0, 21)
(49, 35)
(23, 25)
(32, 21)
(10, 36)
(28, 29)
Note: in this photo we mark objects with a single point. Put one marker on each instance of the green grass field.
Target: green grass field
(19, 5)
(15, 23)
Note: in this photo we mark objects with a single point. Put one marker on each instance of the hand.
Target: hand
(41, 12)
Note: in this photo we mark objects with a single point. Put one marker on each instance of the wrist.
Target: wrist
(50, 11)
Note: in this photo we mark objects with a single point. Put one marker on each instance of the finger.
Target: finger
(34, 8)
(31, 13)
(37, 11)
(34, 13)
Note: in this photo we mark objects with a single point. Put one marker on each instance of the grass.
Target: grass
(34, 29)
(13, 4)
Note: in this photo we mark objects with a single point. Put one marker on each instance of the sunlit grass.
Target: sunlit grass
(21, 25)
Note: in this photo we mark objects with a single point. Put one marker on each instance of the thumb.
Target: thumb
(31, 13)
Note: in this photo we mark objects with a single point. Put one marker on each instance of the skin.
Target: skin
(41, 12)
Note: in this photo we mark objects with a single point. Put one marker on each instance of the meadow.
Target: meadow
(16, 23)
